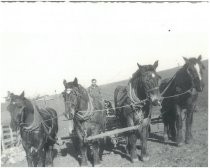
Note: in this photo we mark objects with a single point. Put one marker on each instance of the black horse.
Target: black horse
(88, 120)
(38, 129)
(180, 95)
(137, 99)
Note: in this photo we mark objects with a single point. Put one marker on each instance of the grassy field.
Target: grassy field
(161, 154)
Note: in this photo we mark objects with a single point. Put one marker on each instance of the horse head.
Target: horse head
(195, 68)
(16, 109)
(71, 98)
(146, 80)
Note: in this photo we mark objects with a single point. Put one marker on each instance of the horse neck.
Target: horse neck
(28, 117)
(84, 100)
(183, 79)
(180, 80)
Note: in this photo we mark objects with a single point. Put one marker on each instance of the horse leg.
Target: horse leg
(42, 154)
(172, 129)
(28, 154)
(179, 137)
(132, 147)
(189, 121)
(83, 149)
(96, 159)
(50, 155)
(28, 158)
(144, 136)
(165, 133)
(166, 125)
(101, 147)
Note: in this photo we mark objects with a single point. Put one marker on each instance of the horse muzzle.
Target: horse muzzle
(199, 85)
(13, 126)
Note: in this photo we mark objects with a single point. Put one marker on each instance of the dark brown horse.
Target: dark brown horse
(38, 129)
(137, 99)
(87, 121)
(180, 94)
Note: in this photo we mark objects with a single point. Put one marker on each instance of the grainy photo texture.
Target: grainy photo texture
(104, 84)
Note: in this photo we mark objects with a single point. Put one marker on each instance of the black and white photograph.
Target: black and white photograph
(104, 83)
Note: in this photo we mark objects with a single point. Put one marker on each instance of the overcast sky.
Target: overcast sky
(43, 43)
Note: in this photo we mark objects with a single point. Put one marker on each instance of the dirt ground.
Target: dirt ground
(161, 154)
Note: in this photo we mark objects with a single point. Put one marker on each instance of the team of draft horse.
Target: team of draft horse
(133, 107)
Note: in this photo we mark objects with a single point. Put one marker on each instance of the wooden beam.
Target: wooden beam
(118, 131)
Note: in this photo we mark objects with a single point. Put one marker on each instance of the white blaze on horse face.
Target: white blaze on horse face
(197, 67)
(68, 90)
(153, 75)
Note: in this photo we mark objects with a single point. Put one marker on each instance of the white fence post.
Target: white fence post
(11, 136)
(2, 139)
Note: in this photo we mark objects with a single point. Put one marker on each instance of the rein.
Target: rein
(179, 94)
(35, 126)
(86, 114)
(176, 95)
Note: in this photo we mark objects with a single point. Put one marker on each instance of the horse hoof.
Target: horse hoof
(165, 138)
(145, 158)
(180, 144)
(84, 164)
(188, 141)
(134, 160)
(98, 165)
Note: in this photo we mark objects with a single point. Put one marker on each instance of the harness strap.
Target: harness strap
(168, 85)
(85, 115)
(134, 99)
(132, 94)
(176, 95)
(35, 122)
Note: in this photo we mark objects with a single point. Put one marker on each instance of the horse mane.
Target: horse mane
(137, 79)
(83, 92)
(141, 71)
(180, 79)
(190, 60)
(28, 104)
(79, 88)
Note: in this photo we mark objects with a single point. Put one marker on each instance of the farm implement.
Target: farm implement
(113, 130)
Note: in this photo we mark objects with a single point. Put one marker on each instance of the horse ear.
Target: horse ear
(185, 59)
(64, 82)
(199, 58)
(155, 65)
(138, 65)
(22, 94)
(11, 94)
(75, 81)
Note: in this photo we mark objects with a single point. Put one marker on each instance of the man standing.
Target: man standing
(95, 93)
(94, 90)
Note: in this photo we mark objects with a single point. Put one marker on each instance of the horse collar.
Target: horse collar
(132, 94)
(22, 117)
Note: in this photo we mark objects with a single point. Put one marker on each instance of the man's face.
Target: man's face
(94, 83)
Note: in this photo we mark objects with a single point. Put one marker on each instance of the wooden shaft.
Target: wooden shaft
(118, 131)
